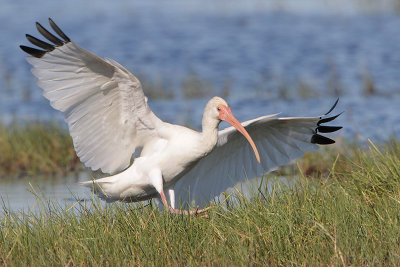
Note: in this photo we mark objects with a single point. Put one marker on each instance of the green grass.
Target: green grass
(47, 150)
(36, 148)
(348, 215)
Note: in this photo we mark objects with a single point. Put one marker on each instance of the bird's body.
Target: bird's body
(172, 154)
(109, 119)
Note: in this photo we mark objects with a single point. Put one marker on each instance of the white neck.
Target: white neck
(209, 131)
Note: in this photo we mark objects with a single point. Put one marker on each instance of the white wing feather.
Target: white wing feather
(279, 141)
(102, 102)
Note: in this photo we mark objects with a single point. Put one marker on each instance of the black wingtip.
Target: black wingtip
(49, 36)
(333, 107)
(325, 120)
(44, 45)
(321, 140)
(59, 31)
(39, 43)
(33, 51)
(328, 129)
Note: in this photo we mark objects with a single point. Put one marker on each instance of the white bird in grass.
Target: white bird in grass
(108, 119)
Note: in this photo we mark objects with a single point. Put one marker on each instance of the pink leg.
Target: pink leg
(185, 212)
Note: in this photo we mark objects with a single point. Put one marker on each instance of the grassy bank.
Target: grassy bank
(47, 149)
(34, 149)
(349, 215)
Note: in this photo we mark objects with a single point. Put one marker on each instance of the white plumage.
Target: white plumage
(108, 119)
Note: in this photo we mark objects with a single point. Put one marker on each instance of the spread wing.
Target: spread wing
(279, 141)
(102, 102)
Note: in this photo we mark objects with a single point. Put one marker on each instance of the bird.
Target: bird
(109, 119)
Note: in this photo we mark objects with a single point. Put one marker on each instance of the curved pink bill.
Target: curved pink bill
(226, 115)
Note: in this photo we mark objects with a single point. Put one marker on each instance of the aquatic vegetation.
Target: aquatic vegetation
(37, 148)
(369, 87)
(195, 87)
(47, 149)
(347, 216)
(157, 89)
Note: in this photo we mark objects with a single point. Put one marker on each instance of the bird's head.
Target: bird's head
(219, 110)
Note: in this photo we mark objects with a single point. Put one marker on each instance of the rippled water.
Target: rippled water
(29, 194)
(260, 53)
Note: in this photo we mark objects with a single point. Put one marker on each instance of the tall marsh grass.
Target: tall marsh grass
(36, 149)
(348, 215)
(46, 149)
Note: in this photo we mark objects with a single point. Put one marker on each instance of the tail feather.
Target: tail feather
(99, 187)
(120, 186)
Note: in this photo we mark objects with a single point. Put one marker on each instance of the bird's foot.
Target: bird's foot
(197, 212)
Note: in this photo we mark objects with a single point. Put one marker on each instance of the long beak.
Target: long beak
(229, 118)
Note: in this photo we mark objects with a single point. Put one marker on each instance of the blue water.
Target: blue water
(254, 49)
(262, 52)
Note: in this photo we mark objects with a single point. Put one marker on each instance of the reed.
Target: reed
(37, 148)
(348, 215)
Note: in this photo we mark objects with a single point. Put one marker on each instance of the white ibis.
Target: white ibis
(108, 119)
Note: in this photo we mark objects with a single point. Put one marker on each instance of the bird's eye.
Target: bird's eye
(218, 108)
